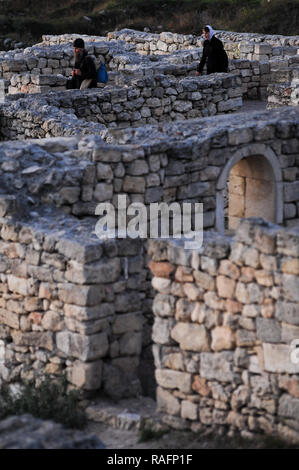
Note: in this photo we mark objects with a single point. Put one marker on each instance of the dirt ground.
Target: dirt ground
(121, 439)
(253, 105)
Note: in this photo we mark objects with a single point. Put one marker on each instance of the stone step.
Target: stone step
(127, 414)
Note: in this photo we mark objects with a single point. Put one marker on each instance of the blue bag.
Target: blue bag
(102, 75)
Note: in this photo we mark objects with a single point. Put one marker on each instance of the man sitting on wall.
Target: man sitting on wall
(84, 74)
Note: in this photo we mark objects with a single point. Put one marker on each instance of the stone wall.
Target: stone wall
(131, 55)
(36, 83)
(238, 45)
(147, 101)
(71, 304)
(283, 95)
(185, 40)
(200, 167)
(25, 117)
(285, 90)
(254, 75)
(247, 46)
(184, 161)
(224, 320)
(47, 60)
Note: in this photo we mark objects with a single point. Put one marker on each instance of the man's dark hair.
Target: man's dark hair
(79, 43)
(206, 29)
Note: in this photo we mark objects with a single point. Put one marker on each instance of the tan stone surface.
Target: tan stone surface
(225, 287)
(229, 269)
(236, 184)
(236, 206)
(161, 269)
(222, 338)
(277, 358)
(200, 386)
(191, 337)
(174, 379)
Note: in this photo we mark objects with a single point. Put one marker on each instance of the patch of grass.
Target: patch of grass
(49, 400)
(148, 434)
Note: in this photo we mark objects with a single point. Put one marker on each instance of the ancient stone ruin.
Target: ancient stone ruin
(209, 331)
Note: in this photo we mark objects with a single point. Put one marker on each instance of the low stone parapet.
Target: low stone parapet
(34, 83)
(283, 94)
(52, 60)
(148, 100)
(250, 46)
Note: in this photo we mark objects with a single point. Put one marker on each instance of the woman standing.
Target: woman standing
(213, 53)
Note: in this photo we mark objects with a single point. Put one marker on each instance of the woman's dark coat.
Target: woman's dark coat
(214, 55)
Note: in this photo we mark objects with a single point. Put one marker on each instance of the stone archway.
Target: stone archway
(255, 187)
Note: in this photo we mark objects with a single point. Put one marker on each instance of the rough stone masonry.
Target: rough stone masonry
(223, 318)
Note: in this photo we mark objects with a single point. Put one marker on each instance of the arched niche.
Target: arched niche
(252, 182)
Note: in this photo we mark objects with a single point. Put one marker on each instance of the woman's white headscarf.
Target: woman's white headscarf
(212, 32)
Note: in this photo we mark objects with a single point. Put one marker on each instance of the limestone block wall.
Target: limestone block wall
(35, 83)
(140, 37)
(283, 95)
(207, 159)
(283, 70)
(155, 99)
(143, 42)
(47, 60)
(274, 40)
(54, 40)
(224, 320)
(262, 53)
(285, 90)
(257, 51)
(185, 161)
(252, 47)
(132, 55)
(70, 304)
(254, 75)
(79, 173)
(151, 43)
(23, 118)
(238, 45)
(149, 101)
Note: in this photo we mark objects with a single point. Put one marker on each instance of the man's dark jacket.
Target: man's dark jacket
(214, 55)
(88, 71)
